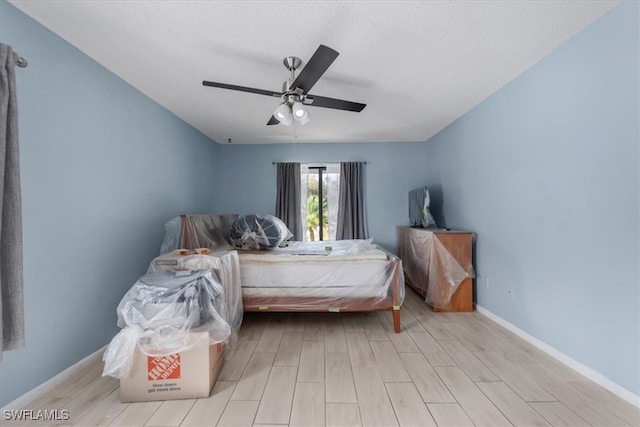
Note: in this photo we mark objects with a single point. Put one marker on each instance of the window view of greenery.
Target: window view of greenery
(313, 211)
(330, 184)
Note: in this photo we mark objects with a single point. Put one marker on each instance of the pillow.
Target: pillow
(259, 232)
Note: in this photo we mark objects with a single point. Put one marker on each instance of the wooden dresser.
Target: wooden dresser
(436, 262)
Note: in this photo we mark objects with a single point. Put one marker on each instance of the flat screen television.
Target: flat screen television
(419, 214)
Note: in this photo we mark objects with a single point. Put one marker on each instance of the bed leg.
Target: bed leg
(396, 321)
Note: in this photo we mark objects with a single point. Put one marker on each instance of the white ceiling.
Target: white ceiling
(418, 65)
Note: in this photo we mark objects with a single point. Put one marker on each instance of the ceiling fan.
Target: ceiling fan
(295, 91)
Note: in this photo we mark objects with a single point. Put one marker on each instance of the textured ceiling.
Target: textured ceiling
(417, 65)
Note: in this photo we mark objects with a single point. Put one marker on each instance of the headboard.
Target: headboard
(198, 231)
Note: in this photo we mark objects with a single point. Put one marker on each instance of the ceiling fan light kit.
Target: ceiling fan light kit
(283, 114)
(295, 91)
(286, 113)
(300, 113)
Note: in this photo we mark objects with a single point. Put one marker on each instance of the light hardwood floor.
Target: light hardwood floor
(351, 369)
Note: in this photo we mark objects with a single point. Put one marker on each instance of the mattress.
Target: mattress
(320, 292)
(341, 268)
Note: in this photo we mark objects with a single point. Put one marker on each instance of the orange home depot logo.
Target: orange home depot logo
(163, 367)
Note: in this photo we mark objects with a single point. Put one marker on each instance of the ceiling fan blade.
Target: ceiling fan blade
(273, 121)
(242, 88)
(338, 104)
(315, 68)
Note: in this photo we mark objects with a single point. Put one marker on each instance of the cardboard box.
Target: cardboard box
(185, 375)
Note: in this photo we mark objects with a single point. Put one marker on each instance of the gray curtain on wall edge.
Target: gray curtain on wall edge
(11, 280)
(351, 217)
(288, 207)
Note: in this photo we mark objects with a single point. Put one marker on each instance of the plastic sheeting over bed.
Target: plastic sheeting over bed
(198, 231)
(344, 275)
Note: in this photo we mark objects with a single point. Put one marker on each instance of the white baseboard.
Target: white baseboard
(591, 374)
(54, 382)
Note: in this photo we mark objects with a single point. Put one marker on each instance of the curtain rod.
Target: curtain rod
(275, 163)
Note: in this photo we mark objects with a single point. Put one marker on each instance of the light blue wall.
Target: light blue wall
(546, 172)
(103, 168)
(248, 178)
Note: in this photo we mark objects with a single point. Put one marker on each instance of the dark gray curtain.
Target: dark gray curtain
(11, 292)
(351, 219)
(288, 197)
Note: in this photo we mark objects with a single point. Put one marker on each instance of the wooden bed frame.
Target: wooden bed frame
(281, 304)
(292, 304)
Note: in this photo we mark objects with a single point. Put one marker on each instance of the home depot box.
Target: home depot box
(185, 375)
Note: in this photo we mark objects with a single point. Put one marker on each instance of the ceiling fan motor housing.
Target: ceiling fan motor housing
(291, 95)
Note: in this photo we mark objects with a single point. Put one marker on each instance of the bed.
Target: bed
(333, 276)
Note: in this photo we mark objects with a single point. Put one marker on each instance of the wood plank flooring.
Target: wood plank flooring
(351, 369)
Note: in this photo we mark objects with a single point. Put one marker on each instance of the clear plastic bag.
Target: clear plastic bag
(116, 362)
(158, 313)
(259, 232)
(225, 266)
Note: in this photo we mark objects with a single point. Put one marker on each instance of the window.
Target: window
(320, 187)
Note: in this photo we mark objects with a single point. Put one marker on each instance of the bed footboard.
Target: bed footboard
(299, 304)
(314, 304)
